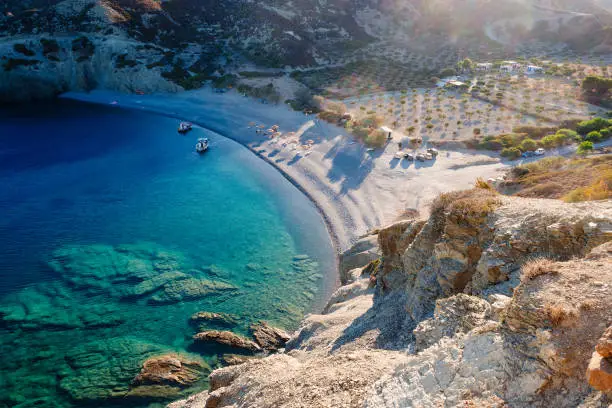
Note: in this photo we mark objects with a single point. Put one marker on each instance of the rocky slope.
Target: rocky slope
(491, 301)
(51, 46)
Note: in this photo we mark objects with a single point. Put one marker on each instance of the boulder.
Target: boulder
(604, 345)
(599, 373)
(169, 369)
(268, 337)
(227, 338)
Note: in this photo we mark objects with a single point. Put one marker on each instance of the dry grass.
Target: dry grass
(474, 202)
(537, 267)
(572, 180)
(481, 183)
(561, 315)
(598, 190)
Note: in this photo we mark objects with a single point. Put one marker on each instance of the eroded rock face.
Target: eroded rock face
(441, 330)
(227, 338)
(454, 315)
(268, 337)
(364, 251)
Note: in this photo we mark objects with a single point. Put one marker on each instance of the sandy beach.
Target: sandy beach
(355, 189)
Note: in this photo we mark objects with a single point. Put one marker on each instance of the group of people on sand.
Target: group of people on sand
(289, 139)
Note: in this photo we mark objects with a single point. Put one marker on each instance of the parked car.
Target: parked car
(540, 152)
(409, 156)
(432, 151)
(420, 157)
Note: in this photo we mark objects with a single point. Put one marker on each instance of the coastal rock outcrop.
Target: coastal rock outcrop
(165, 375)
(268, 337)
(228, 339)
(491, 301)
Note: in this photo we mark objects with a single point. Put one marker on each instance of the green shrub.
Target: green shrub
(588, 126)
(606, 133)
(448, 72)
(594, 137)
(585, 147)
(596, 84)
(567, 133)
(528, 145)
(549, 141)
(534, 132)
(511, 153)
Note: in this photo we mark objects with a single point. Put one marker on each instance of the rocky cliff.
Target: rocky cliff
(491, 301)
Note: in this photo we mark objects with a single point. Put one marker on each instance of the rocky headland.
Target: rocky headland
(490, 301)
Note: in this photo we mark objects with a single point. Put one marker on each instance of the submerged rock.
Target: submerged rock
(51, 307)
(105, 369)
(133, 271)
(222, 319)
(268, 337)
(227, 338)
(189, 289)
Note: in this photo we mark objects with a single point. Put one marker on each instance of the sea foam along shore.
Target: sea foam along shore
(356, 190)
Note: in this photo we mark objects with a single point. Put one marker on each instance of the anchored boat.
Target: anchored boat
(202, 145)
(185, 127)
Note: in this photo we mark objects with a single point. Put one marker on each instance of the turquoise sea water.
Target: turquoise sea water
(113, 232)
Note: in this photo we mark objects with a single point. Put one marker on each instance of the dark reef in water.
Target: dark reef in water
(97, 290)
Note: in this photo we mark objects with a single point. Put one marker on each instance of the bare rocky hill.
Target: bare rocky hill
(491, 302)
(129, 45)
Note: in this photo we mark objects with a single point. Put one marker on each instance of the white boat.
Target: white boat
(202, 145)
(184, 127)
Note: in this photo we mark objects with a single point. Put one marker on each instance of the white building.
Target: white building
(484, 66)
(510, 66)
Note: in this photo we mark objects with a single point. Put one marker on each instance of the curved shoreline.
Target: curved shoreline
(354, 190)
(328, 223)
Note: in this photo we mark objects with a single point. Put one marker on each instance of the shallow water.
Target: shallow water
(96, 203)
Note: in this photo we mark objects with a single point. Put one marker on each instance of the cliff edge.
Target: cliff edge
(491, 301)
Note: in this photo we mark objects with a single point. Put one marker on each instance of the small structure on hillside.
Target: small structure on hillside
(388, 132)
(484, 66)
(510, 66)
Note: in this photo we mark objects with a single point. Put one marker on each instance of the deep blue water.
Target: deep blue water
(79, 183)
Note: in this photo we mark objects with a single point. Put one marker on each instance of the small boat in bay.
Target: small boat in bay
(202, 145)
(185, 127)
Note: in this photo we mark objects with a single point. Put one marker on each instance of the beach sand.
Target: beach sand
(356, 190)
